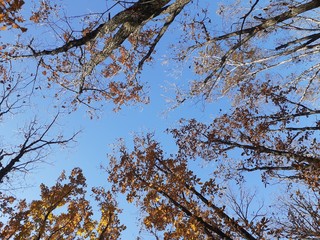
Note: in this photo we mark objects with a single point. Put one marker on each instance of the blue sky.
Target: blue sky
(97, 136)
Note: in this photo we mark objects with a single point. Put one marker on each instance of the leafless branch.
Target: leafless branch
(36, 141)
(247, 15)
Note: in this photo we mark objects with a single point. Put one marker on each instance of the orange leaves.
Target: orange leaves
(16, 4)
(122, 62)
(62, 212)
(123, 55)
(111, 70)
(9, 17)
(77, 62)
(142, 39)
(163, 188)
(13, 5)
(122, 93)
(35, 17)
(45, 8)
(66, 36)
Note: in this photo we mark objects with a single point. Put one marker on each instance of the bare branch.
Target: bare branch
(35, 142)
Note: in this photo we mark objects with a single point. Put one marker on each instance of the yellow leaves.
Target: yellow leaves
(147, 222)
(50, 217)
(72, 218)
(80, 233)
(164, 188)
(193, 227)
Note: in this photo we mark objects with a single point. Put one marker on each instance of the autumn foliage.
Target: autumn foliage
(62, 212)
(9, 16)
(260, 58)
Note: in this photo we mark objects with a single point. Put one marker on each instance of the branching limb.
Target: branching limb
(35, 141)
(247, 15)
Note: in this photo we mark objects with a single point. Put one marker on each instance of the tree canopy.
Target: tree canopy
(260, 57)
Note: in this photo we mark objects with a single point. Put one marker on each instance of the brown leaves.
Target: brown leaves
(43, 11)
(62, 212)
(9, 17)
(101, 47)
(165, 189)
(269, 122)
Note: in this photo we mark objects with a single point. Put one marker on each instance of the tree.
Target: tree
(63, 212)
(174, 199)
(264, 64)
(82, 57)
(302, 220)
(36, 139)
(9, 14)
(271, 127)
